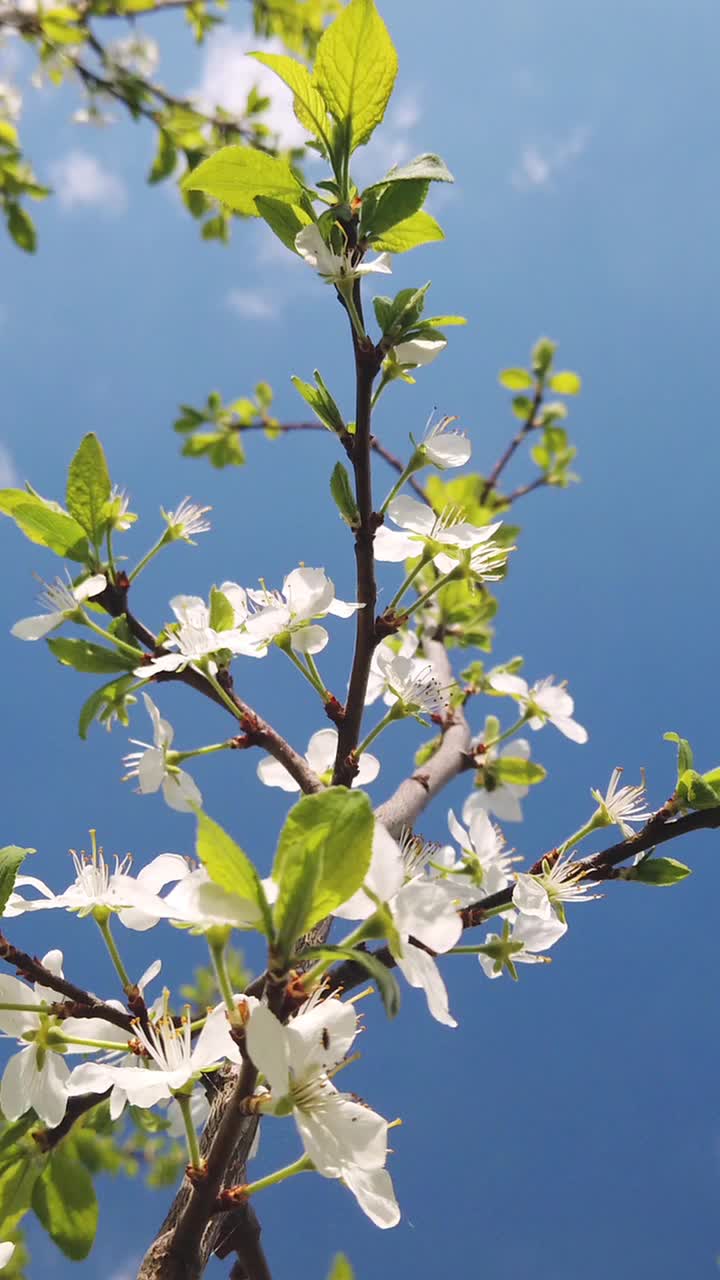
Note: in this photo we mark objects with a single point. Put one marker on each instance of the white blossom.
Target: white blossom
(154, 768)
(419, 351)
(173, 1061)
(484, 852)
(335, 268)
(196, 900)
(343, 1138)
(320, 756)
(10, 101)
(503, 799)
(195, 640)
(424, 530)
(136, 55)
(307, 594)
(381, 663)
(543, 703)
(7, 1249)
(187, 520)
(37, 1076)
(522, 938)
(60, 600)
(623, 805)
(559, 882)
(413, 683)
(444, 447)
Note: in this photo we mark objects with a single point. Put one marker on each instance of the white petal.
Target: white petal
(411, 514)
(368, 770)
(151, 770)
(343, 608)
(321, 1035)
(308, 592)
(392, 547)
(340, 1132)
(385, 876)
(310, 639)
(381, 264)
(451, 450)
(420, 351)
(420, 970)
(48, 1089)
(90, 587)
(149, 976)
(214, 1042)
(15, 1089)
(425, 909)
(268, 1048)
(273, 774)
(181, 792)
(93, 1029)
(572, 730)
(38, 627)
(505, 683)
(7, 1249)
(321, 748)
(373, 1190)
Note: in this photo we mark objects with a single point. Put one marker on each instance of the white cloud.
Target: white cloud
(228, 75)
(9, 478)
(81, 181)
(539, 164)
(251, 303)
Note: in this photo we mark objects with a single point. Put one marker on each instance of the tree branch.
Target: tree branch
(415, 793)
(257, 732)
(660, 829)
(30, 967)
(528, 425)
(367, 363)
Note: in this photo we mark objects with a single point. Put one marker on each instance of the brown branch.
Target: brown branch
(415, 793)
(538, 483)
(367, 365)
(661, 828)
(33, 969)
(257, 731)
(528, 425)
(77, 1107)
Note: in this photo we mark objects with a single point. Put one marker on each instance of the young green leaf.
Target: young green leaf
(293, 910)
(65, 1202)
(83, 655)
(308, 102)
(43, 524)
(341, 490)
(321, 402)
(11, 859)
(566, 383)
(381, 975)
(516, 379)
(237, 175)
(283, 218)
(110, 702)
(341, 1269)
(355, 68)
(685, 755)
(395, 204)
(657, 871)
(222, 614)
(336, 828)
(421, 228)
(228, 866)
(696, 792)
(88, 486)
(518, 772)
(429, 167)
(17, 1180)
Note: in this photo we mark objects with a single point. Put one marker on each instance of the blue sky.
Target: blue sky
(570, 1125)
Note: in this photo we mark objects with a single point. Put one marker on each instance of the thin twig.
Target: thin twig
(528, 425)
(30, 967)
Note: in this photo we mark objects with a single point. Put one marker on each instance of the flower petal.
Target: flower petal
(268, 1047)
(373, 1190)
(419, 970)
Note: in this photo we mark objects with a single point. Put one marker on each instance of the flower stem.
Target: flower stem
(24, 1008)
(454, 573)
(223, 695)
(179, 756)
(312, 679)
(408, 471)
(142, 564)
(217, 954)
(111, 558)
(313, 667)
(104, 927)
(129, 649)
(387, 719)
(195, 1160)
(407, 583)
(593, 824)
(92, 1044)
(303, 1165)
(494, 742)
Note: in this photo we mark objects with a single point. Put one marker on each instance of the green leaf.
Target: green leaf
(543, 354)
(65, 1202)
(427, 750)
(21, 228)
(222, 614)
(355, 68)
(283, 218)
(308, 102)
(341, 490)
(237, 175)
(685, 755)
(421, 228)
(341, 1269)
(515, 379)
(16, 1186)
(657, 871)
(83, 655)
(334, 828)
(88, 486)
(51, 529)
(383, 977)
(321, 402)
(396, 204)
(518, 772)
(165, 158)
(696, 792)
(110, 702)
(429, 167)
(297, 889)
(566, 383)
(228, 866)
(11, 859)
